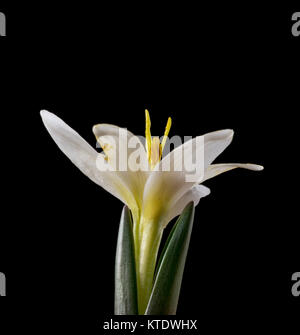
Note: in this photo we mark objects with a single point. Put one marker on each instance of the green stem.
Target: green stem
(147, 240)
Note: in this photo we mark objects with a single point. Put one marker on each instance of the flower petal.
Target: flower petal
(85, 157)
(121, 148)
(194, 194)
(216, 169)
(165, 188)
(215, 143)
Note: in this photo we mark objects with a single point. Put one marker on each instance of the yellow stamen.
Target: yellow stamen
(148, 135)
(153, 146)
(167, 130)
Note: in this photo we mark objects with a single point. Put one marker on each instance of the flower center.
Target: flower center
(153, 146)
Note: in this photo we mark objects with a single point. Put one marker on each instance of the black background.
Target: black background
(210, 68)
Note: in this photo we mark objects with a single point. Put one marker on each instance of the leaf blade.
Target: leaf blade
(125, 272)
(166, 289)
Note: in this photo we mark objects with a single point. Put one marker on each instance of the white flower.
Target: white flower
(154, 196)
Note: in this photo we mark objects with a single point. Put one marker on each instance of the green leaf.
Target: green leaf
(125, 273)
(164, 249)
(166, 289)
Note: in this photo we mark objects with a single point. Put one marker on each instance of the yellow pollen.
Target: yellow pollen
(105, 147)
(153, 146)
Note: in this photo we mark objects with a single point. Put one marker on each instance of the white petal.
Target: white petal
(169, 186)
(121, 139)
(215, 143)
(194, 194)
(85, 157)
(216, 169)
(121, 144)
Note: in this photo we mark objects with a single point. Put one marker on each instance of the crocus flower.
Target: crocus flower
(154, 196)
